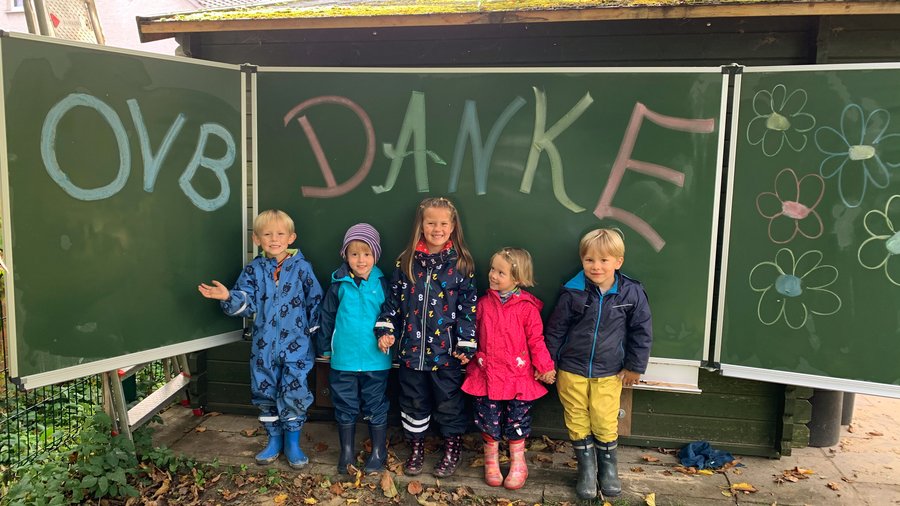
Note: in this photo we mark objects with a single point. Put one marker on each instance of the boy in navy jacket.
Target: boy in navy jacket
(599, 335)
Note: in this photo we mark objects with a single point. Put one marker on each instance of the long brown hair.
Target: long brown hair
(464, 264)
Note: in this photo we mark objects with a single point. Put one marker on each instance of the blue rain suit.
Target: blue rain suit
(286, 315)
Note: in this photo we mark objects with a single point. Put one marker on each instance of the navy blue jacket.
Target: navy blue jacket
(596, 335)
(432, 317)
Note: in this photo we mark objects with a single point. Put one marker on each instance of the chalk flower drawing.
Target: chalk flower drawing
(882, 248)
(791, 208)
(791, 289)
(861, 153)
(779, 119)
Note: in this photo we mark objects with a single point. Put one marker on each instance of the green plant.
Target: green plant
(97, 466)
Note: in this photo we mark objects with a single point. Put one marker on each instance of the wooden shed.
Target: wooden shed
(744, 416)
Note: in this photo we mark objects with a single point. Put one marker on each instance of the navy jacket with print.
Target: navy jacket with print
(596, 335)
(432, 317)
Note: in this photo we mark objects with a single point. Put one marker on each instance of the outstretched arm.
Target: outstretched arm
(215, 291)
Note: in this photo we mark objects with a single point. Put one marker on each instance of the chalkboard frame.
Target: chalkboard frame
(738, 370)
(58, 375)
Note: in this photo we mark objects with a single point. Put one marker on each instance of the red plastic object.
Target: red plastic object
(198, 411)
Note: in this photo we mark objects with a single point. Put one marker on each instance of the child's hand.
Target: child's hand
(629, 378)
(385, 343)
(463, 358)
(548, 377)
(216, 291)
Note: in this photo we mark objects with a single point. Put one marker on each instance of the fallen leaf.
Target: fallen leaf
(200, 428)
(310, 500)
(874, 433)
(388, 488)
(162, 489)
(541, 457)
(479, 462)
(650, 458)
(650, 499)
(320, 447)
(742, 487)
(637, 469)
(833, 486)
(280, 498)
(706, 472)
(248, 432)
(727, 493)
(336, 489)
(414, 487)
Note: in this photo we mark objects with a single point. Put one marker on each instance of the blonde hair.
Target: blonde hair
(521, 267)
(606, 241)
(464, 262)
(272, 215)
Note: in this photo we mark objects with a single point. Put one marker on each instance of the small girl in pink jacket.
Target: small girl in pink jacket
(511, 359)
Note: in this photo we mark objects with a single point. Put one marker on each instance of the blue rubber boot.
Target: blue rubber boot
(376, 460)
(273, 447)
(295, 456)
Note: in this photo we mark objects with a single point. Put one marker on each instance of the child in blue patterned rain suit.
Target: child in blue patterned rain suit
(277, 289)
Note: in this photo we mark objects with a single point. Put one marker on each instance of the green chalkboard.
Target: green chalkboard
(339, 147)
(122, 189)
(812, 279)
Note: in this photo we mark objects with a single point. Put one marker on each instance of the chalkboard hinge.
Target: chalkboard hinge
(733, 69)
(710, 365)
(249, 68)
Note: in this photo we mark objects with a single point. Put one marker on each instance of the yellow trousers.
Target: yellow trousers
(591, 405)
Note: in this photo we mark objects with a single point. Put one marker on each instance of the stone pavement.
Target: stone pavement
(863, 469)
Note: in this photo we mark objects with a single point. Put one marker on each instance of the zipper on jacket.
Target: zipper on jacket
(596, 329)
(424, 318)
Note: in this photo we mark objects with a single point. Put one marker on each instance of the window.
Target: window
(15, 5)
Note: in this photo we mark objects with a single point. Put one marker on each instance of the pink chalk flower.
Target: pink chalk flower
(791, 208)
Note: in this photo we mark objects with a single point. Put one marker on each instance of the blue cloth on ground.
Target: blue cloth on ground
(701, 455)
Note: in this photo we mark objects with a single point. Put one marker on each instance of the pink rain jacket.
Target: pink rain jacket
(510, 348)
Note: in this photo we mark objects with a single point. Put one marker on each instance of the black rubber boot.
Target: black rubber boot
(376, 461)
(448, 464)
(608, 469)
(347, 434)
(416, 458)
(586, 488)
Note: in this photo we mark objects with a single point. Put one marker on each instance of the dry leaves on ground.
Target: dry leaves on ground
(793, 475)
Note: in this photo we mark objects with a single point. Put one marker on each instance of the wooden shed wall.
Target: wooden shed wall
(742, 416)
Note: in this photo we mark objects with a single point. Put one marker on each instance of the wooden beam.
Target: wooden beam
(151, 28)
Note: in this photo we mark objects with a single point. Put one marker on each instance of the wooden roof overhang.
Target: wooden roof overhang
(341, 14)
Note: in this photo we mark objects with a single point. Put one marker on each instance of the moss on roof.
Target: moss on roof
(349, 8)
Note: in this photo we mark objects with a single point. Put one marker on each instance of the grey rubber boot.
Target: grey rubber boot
(608, 469)
(586, 488)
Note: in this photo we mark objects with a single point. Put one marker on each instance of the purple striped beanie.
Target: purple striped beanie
(365, 233)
